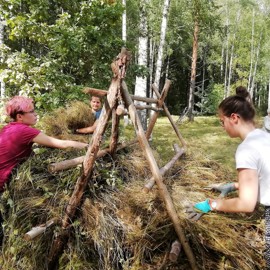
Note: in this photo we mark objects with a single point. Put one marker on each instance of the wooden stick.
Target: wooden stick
(179, 152)
(159, 105)
(170, 119)
(175, 250)
(163, 191)
(95, 92)
(70, 163)
(148, 107)
(38, 230)
(102, 93)
(115, 132)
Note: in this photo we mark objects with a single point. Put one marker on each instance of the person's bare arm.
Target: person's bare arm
(87, 130)
(247, 194)
(46, 140)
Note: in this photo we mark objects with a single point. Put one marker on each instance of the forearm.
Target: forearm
(45, 140)
(86, 130)
(234, 205)
(67, 143)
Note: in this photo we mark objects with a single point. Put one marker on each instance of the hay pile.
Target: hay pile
(120, 227)
(63, 122)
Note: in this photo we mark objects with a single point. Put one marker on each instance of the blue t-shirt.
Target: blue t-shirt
(97, 114)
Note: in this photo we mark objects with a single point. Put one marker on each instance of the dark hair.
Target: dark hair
(243, 92)
(239, 103)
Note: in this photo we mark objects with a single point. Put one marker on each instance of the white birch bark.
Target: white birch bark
(141, 82)
(251, 53)
(227, 50)
(230, 69)
(232, 54)
(163, 29)
(124, 38)
(2, 83)
(255, 67)
(124, 22)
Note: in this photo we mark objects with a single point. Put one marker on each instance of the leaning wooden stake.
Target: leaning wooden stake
(115, 132)
(165, 195)
(155, 115)
(70, 163)
(170, 118)
(179, 152)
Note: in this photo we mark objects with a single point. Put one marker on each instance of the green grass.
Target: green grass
(204, 135)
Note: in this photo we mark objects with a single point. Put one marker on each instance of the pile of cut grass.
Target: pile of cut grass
(120, 227)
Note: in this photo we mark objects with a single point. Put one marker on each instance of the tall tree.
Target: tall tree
(193, 71)
(2, 83)
(163, 30)
(141, 80)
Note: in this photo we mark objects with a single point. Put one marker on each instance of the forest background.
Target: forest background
(50, 50)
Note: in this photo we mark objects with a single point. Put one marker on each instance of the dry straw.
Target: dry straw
(120, 227)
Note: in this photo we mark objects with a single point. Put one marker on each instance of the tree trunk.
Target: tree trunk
(141, 82)
(251, 52)
(2, 83)
(255, 67)
(124, 22)
(163, 29)
(193, 71)
(227, 51)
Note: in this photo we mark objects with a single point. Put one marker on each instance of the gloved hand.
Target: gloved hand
(224, 189)
(196, 210)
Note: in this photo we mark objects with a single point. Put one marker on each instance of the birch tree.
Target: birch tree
(163, 29)
(2, 83)
(141, 81)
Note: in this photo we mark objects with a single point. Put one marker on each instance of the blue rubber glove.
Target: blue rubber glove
(203, 206)
(224, 189)
(196, 210)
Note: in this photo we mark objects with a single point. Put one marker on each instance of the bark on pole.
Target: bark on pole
(115, 132)
(155, 115)
(70, 163)
(164, 193)
(181, 139)
(179, 152)
(103, 93)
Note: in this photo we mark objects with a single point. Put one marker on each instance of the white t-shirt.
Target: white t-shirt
(254, 153)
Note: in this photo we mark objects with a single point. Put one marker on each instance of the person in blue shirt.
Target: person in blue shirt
(96, 109)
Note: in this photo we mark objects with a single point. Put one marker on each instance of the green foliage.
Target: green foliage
(210, 99)
(53, 49)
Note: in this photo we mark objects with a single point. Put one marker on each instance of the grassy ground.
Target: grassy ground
(204, 135)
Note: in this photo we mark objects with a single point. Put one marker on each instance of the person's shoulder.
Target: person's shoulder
(21, 127)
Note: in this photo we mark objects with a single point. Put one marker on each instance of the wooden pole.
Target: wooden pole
(159, 105)
(115, 132)
(38, 230)
(102, 93)
(148, 107)
(179, 152)
(170, 119)
(70, 163)
(163, 191)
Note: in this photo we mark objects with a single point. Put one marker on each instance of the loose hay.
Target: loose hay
(63, 122)
(120, 227)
